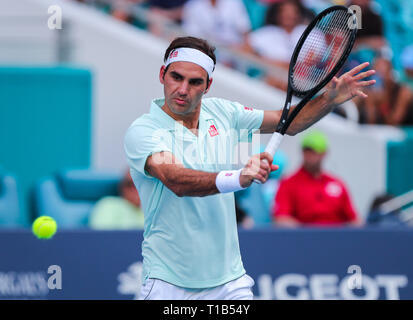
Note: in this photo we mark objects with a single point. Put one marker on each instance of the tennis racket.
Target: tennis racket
(318, 56)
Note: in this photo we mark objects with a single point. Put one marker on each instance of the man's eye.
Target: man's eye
(196, 82)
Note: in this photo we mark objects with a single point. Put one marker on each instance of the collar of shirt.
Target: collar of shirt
(177, 127)
(307, 175)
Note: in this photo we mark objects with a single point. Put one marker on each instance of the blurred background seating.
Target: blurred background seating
(70, 195)
(69, 94)
(10, 214)
(119, 212)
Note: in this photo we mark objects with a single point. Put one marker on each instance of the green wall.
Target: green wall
(400, 165)
(45, 123)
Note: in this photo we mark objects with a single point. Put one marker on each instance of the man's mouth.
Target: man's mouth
(180, 101)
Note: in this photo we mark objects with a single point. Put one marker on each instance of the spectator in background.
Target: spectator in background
(371, 33)
(122, 212)
(370, 37)
(167, 9)
(222, 22)
(388, 102)
(276, 40)
(121, 9)
(171, 9)
(407, 64)
(243, 219)
(319, 5)
(378, 217)
(311, 196)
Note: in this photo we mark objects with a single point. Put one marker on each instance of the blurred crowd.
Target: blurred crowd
(269, 29)
(310, 196)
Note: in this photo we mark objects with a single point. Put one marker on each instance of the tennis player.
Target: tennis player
(180, 157)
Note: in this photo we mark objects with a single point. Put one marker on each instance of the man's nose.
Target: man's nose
(183, 88)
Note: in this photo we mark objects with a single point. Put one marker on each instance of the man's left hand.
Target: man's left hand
(349, 85)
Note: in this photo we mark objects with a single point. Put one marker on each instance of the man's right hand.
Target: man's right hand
(257, 168)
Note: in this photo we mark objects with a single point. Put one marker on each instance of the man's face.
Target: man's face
(288, 16)
(312, 160)
(184, 85)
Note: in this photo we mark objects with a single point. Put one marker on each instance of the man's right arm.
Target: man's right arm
(188, 182)
(180, 180)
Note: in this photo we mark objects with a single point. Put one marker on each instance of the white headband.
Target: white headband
(191, 55)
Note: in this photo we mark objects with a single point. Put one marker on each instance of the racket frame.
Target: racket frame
(286, 119)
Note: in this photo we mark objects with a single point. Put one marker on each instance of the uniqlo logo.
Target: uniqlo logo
(173, 54)
(248, 108)
(213, 131)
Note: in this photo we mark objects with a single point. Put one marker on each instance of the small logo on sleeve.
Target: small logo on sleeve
(248, 108)
(228, 174)
(213, 131)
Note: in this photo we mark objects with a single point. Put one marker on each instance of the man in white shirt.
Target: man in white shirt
(222, 22)
(276, 40)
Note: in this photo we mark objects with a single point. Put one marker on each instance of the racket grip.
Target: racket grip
(272, 147)
(274, 143)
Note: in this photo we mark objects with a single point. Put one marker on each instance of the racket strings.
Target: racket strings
(314, 50)
(316, 53)
(319, 59)
(322, 50)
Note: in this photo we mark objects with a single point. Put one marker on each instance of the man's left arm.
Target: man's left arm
(338, 91)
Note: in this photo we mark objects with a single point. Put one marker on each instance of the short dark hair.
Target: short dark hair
(194, 43)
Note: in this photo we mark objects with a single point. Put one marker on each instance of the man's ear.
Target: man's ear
(208, 87)
(162, 74)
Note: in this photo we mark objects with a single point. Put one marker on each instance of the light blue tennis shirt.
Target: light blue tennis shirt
(191, 242)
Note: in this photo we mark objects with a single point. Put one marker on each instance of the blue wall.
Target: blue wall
(285, 264)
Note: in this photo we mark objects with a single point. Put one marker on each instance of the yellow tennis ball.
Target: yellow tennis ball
(44, 227)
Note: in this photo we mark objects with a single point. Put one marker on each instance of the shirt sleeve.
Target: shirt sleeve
(284, 203)
(143, 140)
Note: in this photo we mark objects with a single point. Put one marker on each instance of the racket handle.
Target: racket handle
(274, 143)
(272, 147)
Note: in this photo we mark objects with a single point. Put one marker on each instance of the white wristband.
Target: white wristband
(228, 181)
